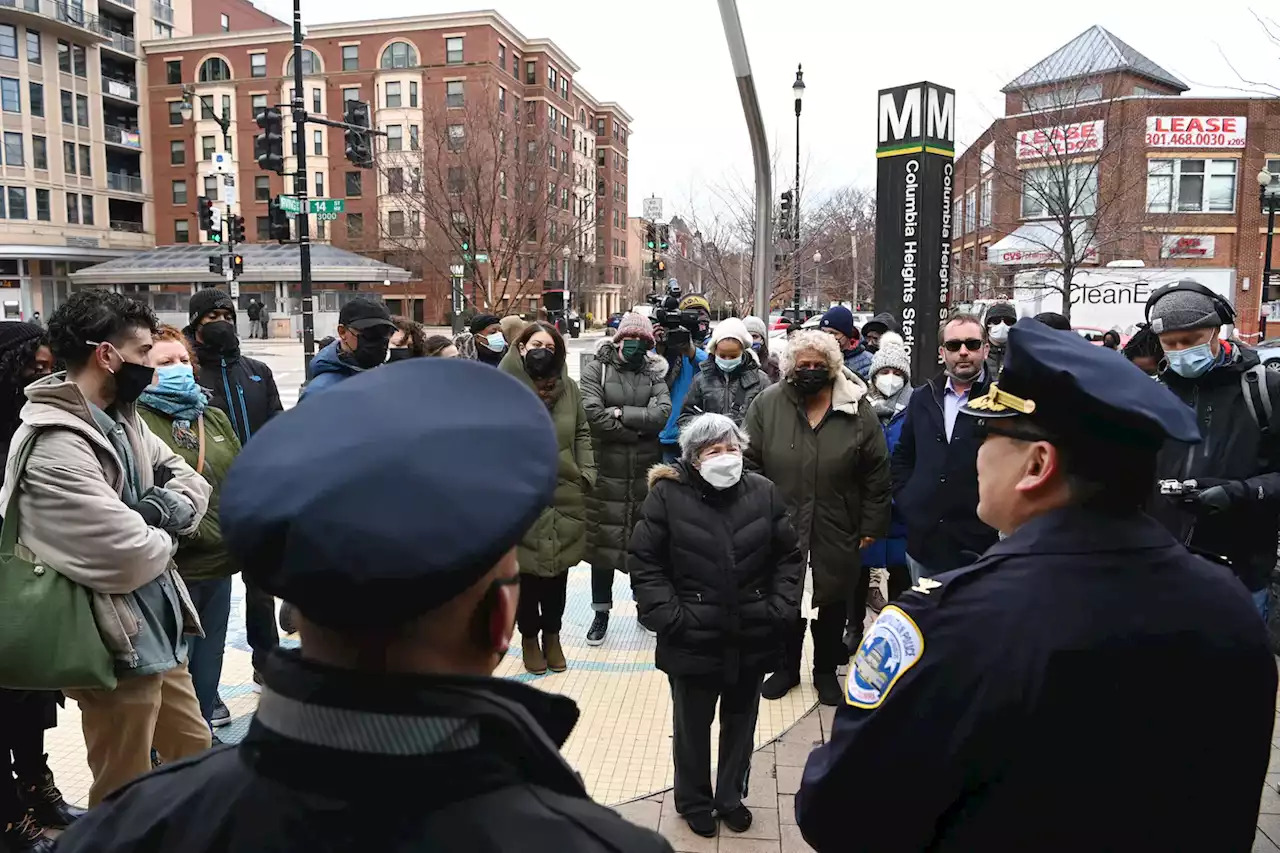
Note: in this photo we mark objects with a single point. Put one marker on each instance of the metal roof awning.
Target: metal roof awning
(263, 262)
(1039, 244)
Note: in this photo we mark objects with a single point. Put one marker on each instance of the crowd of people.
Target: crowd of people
(147, 465)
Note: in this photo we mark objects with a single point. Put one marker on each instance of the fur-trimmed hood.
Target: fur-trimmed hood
(607, 352)
(664, 471)
(847, 390)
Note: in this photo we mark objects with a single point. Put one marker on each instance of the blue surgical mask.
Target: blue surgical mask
(497, 342)
(1192, 362)
(728, 365)
(176, 380)
(755, 345)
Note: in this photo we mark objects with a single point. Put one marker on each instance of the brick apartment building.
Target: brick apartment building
(476, 73)
(1152, 175)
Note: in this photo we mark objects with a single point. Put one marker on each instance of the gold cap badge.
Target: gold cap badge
(996, 400)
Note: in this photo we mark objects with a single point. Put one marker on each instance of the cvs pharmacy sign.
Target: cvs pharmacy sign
(1196, 131)
(1068, 139)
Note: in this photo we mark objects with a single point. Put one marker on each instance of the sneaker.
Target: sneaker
(221, 716)
(599, 627)
(257, 681)
(288, 622)
(739, 819)
(702, 823)
(26, 836)
(875, 596)
(646, 630)
(828, 687)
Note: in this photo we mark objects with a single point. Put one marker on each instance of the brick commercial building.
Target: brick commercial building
(1103, 170)
(476, 120)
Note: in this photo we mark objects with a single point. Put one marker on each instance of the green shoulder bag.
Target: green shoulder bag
(49, 639)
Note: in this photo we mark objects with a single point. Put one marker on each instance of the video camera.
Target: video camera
(678, 328)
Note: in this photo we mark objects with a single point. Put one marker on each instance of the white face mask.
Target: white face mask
(998, 332)
(722, 471)
(889, 383)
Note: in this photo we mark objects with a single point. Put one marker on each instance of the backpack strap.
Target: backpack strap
(1257, 397)
(9, 532)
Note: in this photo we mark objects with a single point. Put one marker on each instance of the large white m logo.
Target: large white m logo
(904, 124)
(942, 115)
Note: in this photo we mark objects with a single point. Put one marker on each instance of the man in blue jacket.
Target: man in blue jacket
(683, 360)
(838, 322)
(935, 465)
(364, 333)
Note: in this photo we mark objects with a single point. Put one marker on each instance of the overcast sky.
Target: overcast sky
(666, 62)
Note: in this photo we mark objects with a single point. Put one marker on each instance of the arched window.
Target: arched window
(399, 55)
(310, 63)
(214, 70)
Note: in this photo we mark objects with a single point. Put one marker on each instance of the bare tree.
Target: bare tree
(486, 176)
(1076, 166)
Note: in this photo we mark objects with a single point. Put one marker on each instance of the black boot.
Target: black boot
(25, 836)
(43, 798)
(781, 682)
(829, 652)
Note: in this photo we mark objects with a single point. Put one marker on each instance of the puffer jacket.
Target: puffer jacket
(680, 376)
(556, 541)
(625, 448)
(1235, 455)
(892, 549)
(835, 478)
(716, 573)
(202, 555)
(858, 360)
(731, 394)
(329, 368)
(243, 387)
(73, 519)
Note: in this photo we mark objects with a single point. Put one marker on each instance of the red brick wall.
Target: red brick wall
(206, 17)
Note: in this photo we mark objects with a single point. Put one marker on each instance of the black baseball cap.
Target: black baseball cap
(361, 314)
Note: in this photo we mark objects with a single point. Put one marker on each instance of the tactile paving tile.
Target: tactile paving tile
(621, 745)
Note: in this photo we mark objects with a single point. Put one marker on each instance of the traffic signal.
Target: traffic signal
(277, 221)
(237, 265)
(204, 209)
(268, 146)
(359, 151)
(650, 237)
(660, 269)
(663, 234)
(785, 219)
(237, 229)
(215, 264)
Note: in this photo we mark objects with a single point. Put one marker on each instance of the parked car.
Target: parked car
(1094, 335)
(614, 320)
(1269, 352)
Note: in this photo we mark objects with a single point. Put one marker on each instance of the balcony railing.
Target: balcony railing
(124, 182)
(122, 136)
(57, 10)
(162, 13)
(119, 89)
(129, 3)
(123, 42)
(126, 225)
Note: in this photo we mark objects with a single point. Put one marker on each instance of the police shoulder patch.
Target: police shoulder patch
(892, 646)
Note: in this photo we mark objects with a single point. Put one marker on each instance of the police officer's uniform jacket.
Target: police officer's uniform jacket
(1087, 685)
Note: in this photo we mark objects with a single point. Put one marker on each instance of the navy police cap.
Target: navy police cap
(1058, 385)
(391, 493)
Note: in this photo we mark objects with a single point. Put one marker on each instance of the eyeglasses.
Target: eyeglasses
(971, 344)
(995, 321)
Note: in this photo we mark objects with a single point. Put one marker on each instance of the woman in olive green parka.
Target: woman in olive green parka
(556, 541)
(177, 410)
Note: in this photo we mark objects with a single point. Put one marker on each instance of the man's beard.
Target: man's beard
(953, 374)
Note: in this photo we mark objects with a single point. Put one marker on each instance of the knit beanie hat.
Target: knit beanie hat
(207, 301)
(841, 319)
(999, 310)
(731, 328)
(756, 326)
(892, 353)
(635, 325)
(14, 333)
(480, 322)
(1179, 310)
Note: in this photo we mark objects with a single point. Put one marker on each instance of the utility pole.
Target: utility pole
(300, 189)
(798, 90)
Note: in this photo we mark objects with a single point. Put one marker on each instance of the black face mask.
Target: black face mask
(131, 380)
(370, 352)
(811, 380)
(399, 354)
(220, 335)
(539, 363)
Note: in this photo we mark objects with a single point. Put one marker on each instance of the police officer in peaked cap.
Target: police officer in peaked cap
(1088, 684)
(387, 510)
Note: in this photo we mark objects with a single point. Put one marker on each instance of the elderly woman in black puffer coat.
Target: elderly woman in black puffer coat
(715, 568)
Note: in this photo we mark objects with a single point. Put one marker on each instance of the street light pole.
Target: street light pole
(798, 89)
(817, 287)
(300, 190)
